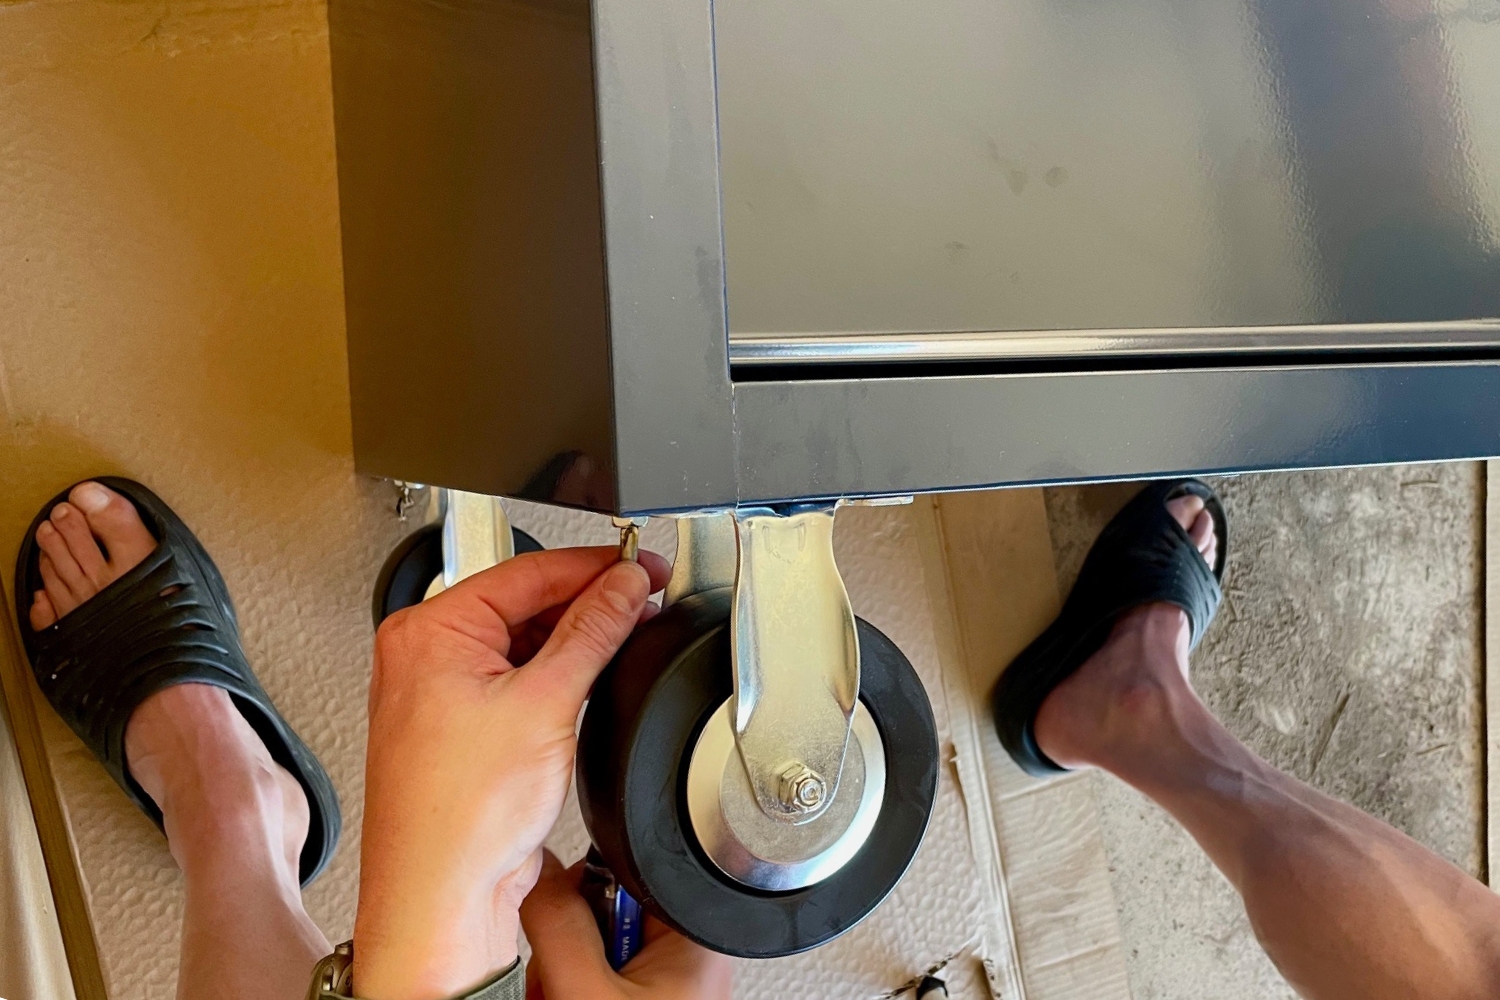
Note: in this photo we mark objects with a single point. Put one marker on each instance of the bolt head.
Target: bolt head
(802, 788)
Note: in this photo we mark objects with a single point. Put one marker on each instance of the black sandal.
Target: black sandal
(1141, 556)
(124, 644)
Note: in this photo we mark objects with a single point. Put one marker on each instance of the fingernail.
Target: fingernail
(625, 586)
(91, 497)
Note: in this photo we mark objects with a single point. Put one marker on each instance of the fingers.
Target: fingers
(591, 631)
(568, 954)
(488, 606)
(566, 950)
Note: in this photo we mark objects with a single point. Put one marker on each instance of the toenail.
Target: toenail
(46, 528)
(91, 497)
(60, 511)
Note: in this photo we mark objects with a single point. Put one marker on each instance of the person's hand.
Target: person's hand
(470, 755)
(567, 954)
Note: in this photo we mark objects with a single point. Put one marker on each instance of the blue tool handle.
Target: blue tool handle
(622, 925)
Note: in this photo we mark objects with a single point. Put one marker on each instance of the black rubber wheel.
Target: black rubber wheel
(412, 566)
(634, 747)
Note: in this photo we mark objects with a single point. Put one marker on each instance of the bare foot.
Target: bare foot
(188, 746)
(1117, 696)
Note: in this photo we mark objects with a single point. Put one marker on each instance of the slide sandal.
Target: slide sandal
(1141, 556)
(128, 642)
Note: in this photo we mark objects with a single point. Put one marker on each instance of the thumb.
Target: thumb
(593, 629)
(567, 953)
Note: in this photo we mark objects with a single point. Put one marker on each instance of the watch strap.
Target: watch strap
(333, 979)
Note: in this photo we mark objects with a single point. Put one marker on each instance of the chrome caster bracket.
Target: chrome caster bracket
(794, 648)
(476, 536)
(796, 661)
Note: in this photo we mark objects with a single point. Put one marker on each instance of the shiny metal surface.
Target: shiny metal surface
(476, 535)
(861, 437)
(865, 348)
(707, 556)
(756, 850)
(1031, 165)
(796, 658)
(630, 537)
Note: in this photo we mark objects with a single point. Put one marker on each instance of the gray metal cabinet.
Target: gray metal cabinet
(666, 255)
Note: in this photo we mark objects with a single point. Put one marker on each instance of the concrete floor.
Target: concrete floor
(1349, 653)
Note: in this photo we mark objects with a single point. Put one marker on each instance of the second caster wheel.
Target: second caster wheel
(412, 566)
(666, 800)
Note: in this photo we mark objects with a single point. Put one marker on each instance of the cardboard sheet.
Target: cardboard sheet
(990, 567)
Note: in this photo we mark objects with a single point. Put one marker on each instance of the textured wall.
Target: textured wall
(172, 310)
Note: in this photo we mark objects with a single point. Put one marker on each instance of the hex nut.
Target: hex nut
(802, 789)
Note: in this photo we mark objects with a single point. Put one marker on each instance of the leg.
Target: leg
(235, 820)
(1346, 906)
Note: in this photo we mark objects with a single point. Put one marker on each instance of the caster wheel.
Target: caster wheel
(658, 713)
(412, 566)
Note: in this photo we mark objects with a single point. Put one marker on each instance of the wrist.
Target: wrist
(410, 948)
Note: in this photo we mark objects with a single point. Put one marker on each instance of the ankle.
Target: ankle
(248, 820)
(1118, 703)
(224, 801)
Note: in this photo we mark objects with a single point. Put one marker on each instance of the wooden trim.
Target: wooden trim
(1491, 689)
(51, 823)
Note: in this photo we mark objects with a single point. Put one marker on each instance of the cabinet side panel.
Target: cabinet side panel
(473, 260)
(658, 128)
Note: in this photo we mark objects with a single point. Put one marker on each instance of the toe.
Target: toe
(1185, 509)
(1202, 531)
(43, 615)
(115, 523)
(1203, 536)
(1191, 512)
(70, 524)
(67, 577)
(58, 594)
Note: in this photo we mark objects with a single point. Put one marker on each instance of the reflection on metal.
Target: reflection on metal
(757, 850)
(1144, 165)
(707, 556)
(863, 348)
(476, 536)
(796, 656)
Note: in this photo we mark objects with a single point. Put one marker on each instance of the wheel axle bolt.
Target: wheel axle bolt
(802, 788)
